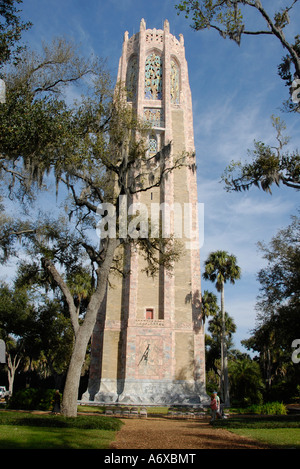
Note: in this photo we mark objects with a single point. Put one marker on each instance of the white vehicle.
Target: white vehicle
(3, 392)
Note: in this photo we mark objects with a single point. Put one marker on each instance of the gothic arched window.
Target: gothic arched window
(131, 78)
(153, 77)
(175, 83)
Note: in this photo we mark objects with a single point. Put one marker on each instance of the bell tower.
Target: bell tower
(150, 350)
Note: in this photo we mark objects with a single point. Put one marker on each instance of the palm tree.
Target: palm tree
(214, 342)
(216, 327)
(209, 305)
(221, 267)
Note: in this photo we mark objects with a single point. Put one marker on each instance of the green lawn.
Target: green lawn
(285, 438)
(29, 431)
(280, 431)
(100, 409)
(53, 438)
(25, 430)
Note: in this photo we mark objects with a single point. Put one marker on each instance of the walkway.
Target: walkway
(160, 433)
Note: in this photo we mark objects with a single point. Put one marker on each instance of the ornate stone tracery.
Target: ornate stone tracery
(153, 77)
(154, 116)
(154, 35)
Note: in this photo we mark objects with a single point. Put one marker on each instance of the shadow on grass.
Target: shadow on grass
(22, 430)
(259, 421)
(54, 438)
(87, 422)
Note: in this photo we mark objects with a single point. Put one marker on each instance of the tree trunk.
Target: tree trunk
(83, 334)
(70, 395)
(12, 367)
(224, 360)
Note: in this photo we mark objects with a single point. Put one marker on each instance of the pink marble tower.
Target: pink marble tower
(150, 350)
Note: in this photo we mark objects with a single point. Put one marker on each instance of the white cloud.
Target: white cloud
(265, 208)
(237, 221)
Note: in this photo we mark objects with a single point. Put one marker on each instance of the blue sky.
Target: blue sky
(235, 91)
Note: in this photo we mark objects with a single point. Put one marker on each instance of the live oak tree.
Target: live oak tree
(17, 316)
(51, 331)
(40, 134)
(278, 321)
(111, 162)
(270, 165)
(11, 27)
(34, 122)
(37, 333)
(229, 19)
(280, 282)
(286, 72)
(95, 151)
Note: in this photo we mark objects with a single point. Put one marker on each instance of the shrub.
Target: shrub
(269, 408)
(246, 383)
(32, 399)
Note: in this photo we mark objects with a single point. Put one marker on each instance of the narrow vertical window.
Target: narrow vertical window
(153, 77)
(131, 79)
(175, 83)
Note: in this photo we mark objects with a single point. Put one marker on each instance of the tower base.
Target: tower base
(153, 392)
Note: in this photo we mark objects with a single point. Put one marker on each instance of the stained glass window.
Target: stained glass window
(154, 117)
(131, 79)
(153, 77)
(152, 145)
(175, 83)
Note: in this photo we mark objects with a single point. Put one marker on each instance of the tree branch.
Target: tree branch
(49, 267)
(288, 183)
(277, 31)
(257, 32)
(78, 200)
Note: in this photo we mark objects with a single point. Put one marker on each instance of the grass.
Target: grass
(24, 430)
(281, 438)
(53, 438)
(91, 408)
(101, 409)
(280, 431)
